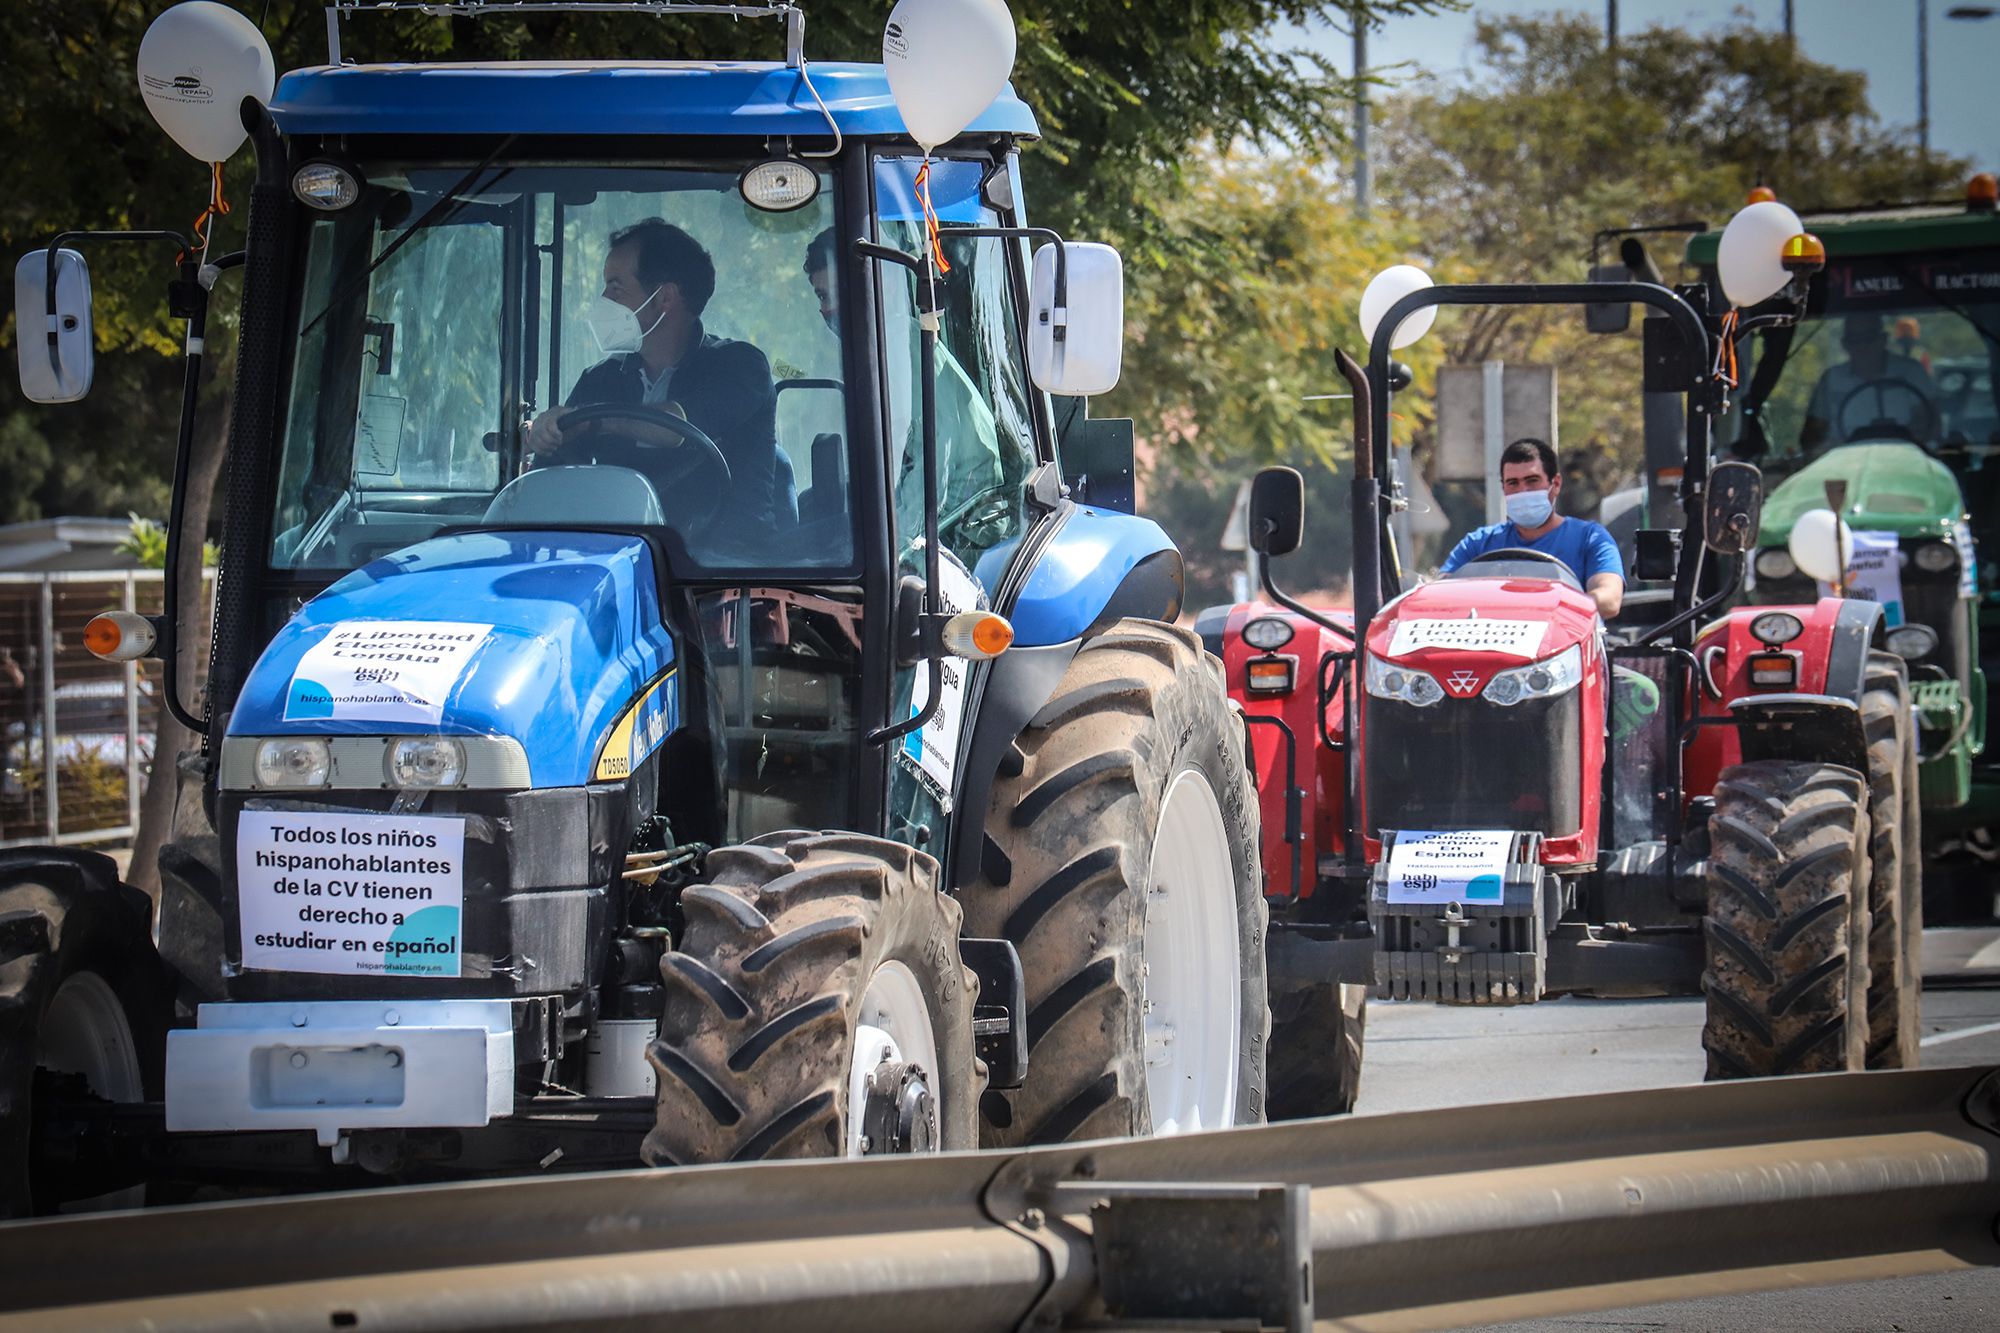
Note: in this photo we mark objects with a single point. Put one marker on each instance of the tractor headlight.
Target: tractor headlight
(1385, 680)
(327, 186)
(293, 761)
(1936, 557)
(1911, 642)
(1537, 680)
(1269, 633)
(426, 761)
(1776, 628)
(1775, 563)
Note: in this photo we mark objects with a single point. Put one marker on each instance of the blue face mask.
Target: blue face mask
(1529, 509)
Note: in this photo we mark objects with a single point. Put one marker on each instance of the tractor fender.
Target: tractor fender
(1098, 567)
(1831, 651)
(1801, 729)
(69, 870)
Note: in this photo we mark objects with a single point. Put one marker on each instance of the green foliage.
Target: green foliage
(1508, 177)
(1122, 93)
(147, 543)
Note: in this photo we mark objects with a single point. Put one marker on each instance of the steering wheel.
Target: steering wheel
(655, 429)
(1522, 554)
(1883, 423)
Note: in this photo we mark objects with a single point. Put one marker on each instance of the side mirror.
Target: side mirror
(57, 352)
(1085, 359)
(1608, 316)
(1735, 502)
(1277, 511)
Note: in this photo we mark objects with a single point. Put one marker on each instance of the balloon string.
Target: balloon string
(1725, 355)
(930, 216)
(217, 207)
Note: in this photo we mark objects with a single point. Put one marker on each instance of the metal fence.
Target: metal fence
(77, 732)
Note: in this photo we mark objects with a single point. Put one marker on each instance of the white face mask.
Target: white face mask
(616, 329)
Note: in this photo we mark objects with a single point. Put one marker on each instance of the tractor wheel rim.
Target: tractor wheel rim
(84, 1032)
(1192, 989)
(894, 1024)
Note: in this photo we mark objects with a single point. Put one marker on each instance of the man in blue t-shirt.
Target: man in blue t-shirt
(1531, 481)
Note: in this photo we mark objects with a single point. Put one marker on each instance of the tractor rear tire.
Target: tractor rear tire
(759, 1039)
(1787, 929)
(1140, 723)
(82, 995)
(1317, 1036)
(1895, 885)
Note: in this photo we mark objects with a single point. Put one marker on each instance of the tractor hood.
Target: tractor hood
(1892, 486)
(1482, 624)
(542, 637)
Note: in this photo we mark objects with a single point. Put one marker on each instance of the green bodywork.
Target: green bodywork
(1895, 486)
(1892, 486)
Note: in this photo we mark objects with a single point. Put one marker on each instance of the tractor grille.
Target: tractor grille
(1470, 764)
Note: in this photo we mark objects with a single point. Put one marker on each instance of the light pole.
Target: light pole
(1361, 181)
(1961, 13)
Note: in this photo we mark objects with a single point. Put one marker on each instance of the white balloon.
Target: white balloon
(1386, 288)
(947, 60)
(1750, 259)
(197, 63)
(1821, 545)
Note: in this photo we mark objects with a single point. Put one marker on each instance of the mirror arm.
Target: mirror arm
(929, 621)
(1700, 609)
(1054, 238)
(190, 290)
(1293, 605)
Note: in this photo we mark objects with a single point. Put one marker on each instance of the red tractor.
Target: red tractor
(1476, 792)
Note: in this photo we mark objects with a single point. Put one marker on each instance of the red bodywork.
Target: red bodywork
(1320, 775)
(1723, 648)
(1570, 618)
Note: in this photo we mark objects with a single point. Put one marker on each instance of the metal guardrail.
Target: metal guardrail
(1425, 1220)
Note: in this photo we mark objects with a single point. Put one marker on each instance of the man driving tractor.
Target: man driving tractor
(657, 281)
(1532, 482)
(1873, 384)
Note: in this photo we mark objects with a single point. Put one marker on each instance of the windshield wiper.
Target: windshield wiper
(447, 204)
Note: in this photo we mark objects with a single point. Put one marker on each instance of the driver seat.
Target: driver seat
(583, 493)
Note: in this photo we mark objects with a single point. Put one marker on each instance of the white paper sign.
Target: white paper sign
(383, 670)
(355, 894)
(1875, 574)
(933, 748)
(1467, 867)
(1516, 638)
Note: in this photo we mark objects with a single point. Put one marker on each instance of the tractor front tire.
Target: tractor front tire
(770, 1001)
(1786, 935)
(84, 999)
(1316, 1044)
(1130, 778)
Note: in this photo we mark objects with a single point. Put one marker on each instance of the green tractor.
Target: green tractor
(1879, 406)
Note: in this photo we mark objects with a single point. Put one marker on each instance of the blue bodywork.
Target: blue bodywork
(1079, 571)
(676, 98)
(579, 633)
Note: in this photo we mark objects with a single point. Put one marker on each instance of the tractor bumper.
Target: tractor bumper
(1466, 952)
(336, 1066)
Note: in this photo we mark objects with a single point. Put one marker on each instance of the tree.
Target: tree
(1508, 177)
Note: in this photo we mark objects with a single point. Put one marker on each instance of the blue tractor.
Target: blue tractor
(687, 684)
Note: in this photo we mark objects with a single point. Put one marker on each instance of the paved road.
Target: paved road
(1421, 1056)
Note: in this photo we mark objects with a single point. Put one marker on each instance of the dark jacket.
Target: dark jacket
(725, 388)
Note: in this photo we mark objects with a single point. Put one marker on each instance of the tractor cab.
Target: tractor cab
(1878, 403)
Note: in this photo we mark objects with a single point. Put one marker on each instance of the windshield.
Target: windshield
(513, 343)
(1892, 348)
